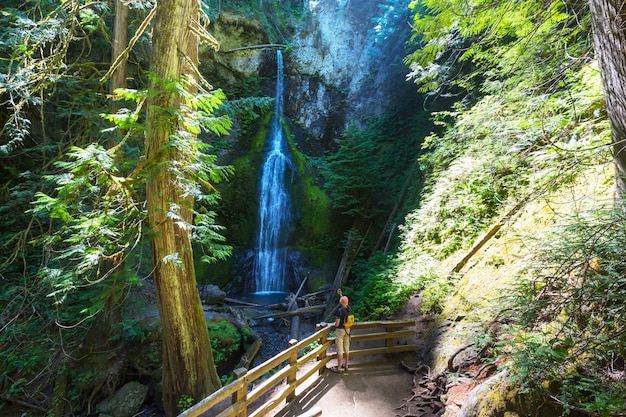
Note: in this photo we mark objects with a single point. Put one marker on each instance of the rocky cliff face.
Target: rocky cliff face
(345, 63)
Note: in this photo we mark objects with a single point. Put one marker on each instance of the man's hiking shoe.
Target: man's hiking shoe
(344, 368)
(336, 370)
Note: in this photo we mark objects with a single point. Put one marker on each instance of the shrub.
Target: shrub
(568, 316)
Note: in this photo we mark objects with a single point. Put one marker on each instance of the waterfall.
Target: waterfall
(275, 219)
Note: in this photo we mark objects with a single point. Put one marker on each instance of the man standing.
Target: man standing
(342, 335)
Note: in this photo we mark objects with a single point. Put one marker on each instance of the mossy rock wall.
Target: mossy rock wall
(315, 235)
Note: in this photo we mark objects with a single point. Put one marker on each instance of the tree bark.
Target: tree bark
(608, 19)
(188, 365)
(120, 38)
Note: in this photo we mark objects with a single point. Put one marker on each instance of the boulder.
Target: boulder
(211, 294)
(125, 402)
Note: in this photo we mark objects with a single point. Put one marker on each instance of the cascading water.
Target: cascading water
(275, 219)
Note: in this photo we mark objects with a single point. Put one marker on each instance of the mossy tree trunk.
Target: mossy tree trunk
(120, 37)
(609, 36)
(188, 366)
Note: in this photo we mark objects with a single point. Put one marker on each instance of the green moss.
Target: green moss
(315, 233)
(225, 339)
(507, 401)
(259, 139)
(238, 207)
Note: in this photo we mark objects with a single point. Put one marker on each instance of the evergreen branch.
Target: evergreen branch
(128, 133)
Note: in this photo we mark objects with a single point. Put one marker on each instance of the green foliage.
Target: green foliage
(37, 52)
(436, 290)
(569, 321)
(309, 348)
(226, 340)
(352, 177)
(184, 403)
(246, 110)
(363, 177)
(500, 150)
(462, 44)
(91, 229)
(533, 124)
(377, 294)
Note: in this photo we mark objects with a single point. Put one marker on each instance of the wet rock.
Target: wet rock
(211, 294)
(125, 402)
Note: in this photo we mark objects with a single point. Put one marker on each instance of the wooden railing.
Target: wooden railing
(285, 366)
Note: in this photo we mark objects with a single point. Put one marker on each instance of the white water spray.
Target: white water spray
(275, 218)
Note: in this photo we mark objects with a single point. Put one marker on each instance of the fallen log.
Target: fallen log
(246, 359)
(298, 312)
(263, 46)
(243, 303)
(316, 294)
(279, 306)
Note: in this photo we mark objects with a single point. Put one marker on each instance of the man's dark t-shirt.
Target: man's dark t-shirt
(342, 313)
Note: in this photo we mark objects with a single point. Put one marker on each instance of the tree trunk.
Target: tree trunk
(188, 366)
(608, 19)
(350, 253)
(120, 38)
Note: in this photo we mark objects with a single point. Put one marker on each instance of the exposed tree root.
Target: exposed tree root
(427, 391)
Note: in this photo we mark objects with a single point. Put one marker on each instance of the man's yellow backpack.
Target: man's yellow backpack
(349, 321)
(348, 317)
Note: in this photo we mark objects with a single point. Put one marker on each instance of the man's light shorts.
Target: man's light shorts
(342, 339)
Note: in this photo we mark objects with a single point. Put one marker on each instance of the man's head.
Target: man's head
(343, 301)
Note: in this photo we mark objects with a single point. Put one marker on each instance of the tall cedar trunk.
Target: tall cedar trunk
(609, 36)
(120, 37)
(188, 366)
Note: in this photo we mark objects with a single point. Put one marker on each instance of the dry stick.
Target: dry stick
(348, 258)
(490, 234)
(295, 320)
(293, 300)
(244, 303)
(395, 209)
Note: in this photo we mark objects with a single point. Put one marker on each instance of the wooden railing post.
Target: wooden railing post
(293, 364)
(241, 393)
(322, 341)
(389, 342)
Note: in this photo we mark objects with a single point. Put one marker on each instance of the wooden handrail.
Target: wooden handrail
(288, 363)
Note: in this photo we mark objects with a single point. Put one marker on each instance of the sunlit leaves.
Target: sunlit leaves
(97, 213)
(569, 314)
(517, 41)
(209, 234)
(34, 57)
